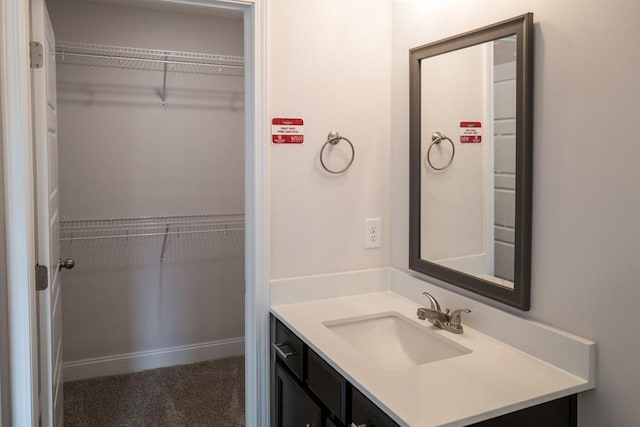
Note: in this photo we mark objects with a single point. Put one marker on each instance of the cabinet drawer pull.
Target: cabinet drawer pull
(283, 354)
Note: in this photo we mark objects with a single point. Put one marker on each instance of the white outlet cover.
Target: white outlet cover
(372, 233)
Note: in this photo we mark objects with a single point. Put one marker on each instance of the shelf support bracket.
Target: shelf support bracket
(163, 95)
(164, 244)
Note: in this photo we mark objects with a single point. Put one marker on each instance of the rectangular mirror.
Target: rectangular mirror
(471, 160)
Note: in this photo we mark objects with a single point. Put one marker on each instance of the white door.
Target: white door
(46, 176)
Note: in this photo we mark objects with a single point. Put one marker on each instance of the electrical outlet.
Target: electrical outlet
(372, 233)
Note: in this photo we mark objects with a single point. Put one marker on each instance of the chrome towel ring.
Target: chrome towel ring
(334, 138)
(437, 138)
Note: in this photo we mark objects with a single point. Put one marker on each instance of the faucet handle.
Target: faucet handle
(455, 318)
(434, 302)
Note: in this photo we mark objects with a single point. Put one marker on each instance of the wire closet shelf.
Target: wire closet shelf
(71, 230)
(133, 57)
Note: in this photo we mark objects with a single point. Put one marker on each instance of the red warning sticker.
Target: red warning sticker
(287, 130)
(470, 132)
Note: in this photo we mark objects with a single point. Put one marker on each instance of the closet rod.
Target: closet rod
(121, 236)
(160, 220)
(142, 224)
(100, 51)
(157, 61)
(143, 227)
(149, 226)
(130, 230)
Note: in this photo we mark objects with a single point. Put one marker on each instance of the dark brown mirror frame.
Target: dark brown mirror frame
(522, 27)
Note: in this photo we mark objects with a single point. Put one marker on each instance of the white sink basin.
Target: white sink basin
(394, 341)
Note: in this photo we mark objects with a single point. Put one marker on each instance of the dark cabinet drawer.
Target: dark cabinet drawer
(365, 413)
(291, 349)
(294, 407)
(327, 384)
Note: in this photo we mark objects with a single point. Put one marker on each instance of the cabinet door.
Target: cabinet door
(365, 413)
(327, 384)
(294, 408)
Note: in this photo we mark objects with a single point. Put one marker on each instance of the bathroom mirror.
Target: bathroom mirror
(471, 160)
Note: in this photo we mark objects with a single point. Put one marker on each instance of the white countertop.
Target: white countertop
(492, 380)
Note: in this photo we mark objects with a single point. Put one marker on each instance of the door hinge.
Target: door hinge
(42, 277)
(36, 53)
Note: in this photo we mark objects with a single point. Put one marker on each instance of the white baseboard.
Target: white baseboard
(151, 359)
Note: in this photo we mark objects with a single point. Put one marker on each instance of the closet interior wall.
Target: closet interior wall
(138, 302)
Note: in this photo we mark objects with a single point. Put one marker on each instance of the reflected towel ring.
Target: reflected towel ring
(436, 139)
(334, 138)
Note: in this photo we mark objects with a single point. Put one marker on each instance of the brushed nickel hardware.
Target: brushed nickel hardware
(436, 139)
(449, 321)
(66, 263)
(333, 139)
(455, 318)
(36, 54)
(282, 353)
(434, 303)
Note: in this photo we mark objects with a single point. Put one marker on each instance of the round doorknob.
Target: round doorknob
(65, 263)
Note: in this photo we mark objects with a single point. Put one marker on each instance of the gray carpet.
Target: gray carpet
(202, 394)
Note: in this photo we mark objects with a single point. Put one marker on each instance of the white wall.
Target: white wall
(586, 203)
(123, 154)
(159, 28)
(329, 64)
(121, 299)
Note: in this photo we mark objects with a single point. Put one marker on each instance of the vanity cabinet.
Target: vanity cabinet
(308, 392)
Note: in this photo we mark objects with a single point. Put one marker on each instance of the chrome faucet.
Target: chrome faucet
(451, 322)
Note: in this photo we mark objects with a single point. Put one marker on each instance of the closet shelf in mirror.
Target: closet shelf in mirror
(123, 228)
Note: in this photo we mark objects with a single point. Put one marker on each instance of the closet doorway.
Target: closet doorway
(150, 105)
